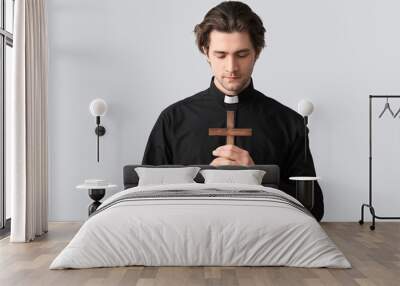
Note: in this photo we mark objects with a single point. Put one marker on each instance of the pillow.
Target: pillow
(162, 176)
(249, 177)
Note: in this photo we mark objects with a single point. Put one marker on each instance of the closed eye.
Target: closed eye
(220, 55)
(243, 55)
(239, 54)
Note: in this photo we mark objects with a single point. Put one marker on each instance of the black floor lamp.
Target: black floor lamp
(305, 183)
(305, 108)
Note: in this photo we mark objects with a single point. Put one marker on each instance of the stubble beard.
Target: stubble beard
(234, 88)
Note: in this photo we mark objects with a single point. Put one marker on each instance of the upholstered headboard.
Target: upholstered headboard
(270, 179)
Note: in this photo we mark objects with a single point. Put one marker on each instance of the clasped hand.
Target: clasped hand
(231, 155)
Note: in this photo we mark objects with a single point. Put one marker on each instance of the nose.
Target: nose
(231, 64)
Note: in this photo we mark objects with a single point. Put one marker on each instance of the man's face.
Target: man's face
(232, 58)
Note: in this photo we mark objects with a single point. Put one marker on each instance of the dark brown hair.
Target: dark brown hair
(230, 16)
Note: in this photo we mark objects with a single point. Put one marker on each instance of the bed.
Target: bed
(201, 224)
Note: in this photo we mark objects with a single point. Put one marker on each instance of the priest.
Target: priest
(231, 123)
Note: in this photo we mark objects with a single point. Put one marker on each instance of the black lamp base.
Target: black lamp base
(305, 193)
(96, 195)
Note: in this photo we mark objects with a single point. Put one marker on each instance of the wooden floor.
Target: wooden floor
(374, 255)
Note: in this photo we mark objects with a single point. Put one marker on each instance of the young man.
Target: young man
(231, 36)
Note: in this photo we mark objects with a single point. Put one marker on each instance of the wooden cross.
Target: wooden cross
(230, 131)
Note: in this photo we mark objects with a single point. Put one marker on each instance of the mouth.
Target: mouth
(232, 77)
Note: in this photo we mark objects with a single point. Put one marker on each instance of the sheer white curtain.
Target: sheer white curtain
(27, 123)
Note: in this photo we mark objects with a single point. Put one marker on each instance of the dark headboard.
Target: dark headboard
(270, 179)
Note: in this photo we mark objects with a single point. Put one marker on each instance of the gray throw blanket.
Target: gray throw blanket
(204, 194)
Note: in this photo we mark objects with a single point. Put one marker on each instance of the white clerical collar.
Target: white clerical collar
(231, 99)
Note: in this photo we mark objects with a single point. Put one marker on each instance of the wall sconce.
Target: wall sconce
(98, 107)
(305, 108)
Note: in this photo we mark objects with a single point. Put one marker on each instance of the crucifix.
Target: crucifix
(230, 131)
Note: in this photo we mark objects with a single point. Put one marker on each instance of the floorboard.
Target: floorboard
(374, 255)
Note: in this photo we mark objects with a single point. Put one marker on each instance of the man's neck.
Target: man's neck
(230, 93)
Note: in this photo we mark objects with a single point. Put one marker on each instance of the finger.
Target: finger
(230, 147)
(222, 161)
(243, 159)
(231, 155)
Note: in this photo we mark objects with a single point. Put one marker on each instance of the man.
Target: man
(231, 36)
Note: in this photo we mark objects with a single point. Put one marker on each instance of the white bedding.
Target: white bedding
(200, 231)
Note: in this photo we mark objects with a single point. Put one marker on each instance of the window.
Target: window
(6, 44)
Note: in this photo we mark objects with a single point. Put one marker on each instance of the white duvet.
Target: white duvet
(200, 231)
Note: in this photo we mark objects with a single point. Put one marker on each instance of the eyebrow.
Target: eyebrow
(240, 51)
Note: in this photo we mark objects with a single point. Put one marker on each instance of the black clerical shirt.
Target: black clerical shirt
(180, 135)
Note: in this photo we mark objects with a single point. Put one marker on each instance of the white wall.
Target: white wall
(141, 57)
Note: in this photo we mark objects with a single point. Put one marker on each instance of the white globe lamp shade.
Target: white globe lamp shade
(305, 107)
(98, 107)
